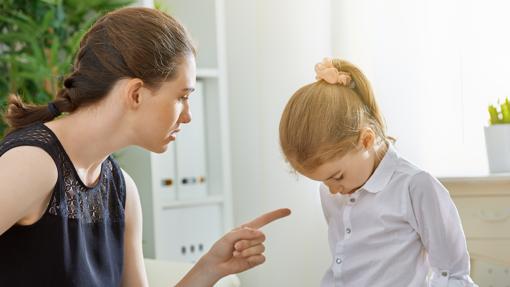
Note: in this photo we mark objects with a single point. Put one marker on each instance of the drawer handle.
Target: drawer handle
(167, 182)
(492, 216)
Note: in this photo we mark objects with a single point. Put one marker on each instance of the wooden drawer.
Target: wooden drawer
(485, 217)
(496, 250)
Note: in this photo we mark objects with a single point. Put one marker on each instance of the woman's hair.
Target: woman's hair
(127, 43)
(323, 121)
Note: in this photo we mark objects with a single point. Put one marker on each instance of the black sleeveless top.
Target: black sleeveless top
(79, 239)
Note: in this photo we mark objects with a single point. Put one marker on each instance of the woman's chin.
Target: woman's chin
(157, 148)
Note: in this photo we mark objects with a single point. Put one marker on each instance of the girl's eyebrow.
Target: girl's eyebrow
(335, 175)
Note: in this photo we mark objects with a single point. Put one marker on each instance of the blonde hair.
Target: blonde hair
(322, 121)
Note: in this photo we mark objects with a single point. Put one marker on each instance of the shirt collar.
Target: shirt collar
(382, 174)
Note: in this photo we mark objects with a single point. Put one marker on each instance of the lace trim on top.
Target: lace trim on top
(71, 198)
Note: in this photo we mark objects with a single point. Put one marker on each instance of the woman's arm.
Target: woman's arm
(134, 268)
(237, 251)
(27, 177)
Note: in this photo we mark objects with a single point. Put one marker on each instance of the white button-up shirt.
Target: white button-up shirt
(400, 229)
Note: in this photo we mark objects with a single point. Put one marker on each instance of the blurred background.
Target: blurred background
(435, 66)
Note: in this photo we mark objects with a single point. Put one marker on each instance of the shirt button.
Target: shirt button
(353, 200)
(338, 261)
(348, 230)
(444, 274)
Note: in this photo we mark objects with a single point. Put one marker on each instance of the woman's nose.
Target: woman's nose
(185, 116)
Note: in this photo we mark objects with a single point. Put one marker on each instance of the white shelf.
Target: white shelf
(207, 73)
(169, 210)
(493, 177)
(192, 202)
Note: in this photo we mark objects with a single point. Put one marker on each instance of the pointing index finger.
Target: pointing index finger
(267, 218)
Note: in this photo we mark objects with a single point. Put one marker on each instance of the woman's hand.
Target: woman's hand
(237, 251)
(242, 248)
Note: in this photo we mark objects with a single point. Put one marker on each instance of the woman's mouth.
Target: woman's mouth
(173, 134)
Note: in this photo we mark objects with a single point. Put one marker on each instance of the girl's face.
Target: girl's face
(165, 109)
(348, 173)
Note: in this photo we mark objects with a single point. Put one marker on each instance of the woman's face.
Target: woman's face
(165, 109)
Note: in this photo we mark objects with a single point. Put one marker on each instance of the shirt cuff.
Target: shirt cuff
(442, 278)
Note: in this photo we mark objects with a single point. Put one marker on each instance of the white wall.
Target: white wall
(435, 66)
(272, 47)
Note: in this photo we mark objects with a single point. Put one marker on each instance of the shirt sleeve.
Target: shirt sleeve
(438, 223)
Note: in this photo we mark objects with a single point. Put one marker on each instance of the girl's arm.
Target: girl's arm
(27, 177)
(437, 221)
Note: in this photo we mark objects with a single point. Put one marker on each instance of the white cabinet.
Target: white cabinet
(185, 192)
(192, 230)
(484, 207)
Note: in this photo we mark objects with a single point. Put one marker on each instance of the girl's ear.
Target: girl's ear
(367, 138)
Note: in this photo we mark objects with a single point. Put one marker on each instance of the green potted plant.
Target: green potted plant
(38, 40)
(497, 138)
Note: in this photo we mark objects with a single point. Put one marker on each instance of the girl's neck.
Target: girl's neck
(379, 153)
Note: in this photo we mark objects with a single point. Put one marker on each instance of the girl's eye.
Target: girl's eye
(339, 178)
(184, 98)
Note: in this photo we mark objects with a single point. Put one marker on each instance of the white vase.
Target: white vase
(497, 142)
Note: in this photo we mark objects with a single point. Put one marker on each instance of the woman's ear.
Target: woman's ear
(367, 138)
(133, 93)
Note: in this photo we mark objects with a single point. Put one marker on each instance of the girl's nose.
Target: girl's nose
(335, 188)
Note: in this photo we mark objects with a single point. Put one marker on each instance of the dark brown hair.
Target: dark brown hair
(127, 43)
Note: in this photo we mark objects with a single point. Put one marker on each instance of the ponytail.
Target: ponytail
(20, 114)
(363, 88)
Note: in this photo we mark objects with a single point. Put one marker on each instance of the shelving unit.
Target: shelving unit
(186, 191)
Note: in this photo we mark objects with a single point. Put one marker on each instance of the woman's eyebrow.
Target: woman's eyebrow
(189, 90)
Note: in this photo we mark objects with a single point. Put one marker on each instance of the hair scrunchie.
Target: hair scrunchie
(326, 71)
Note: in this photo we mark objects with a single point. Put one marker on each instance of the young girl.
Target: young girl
(390, 223)
(69, 215)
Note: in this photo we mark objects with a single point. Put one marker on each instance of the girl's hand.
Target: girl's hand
(240, 249)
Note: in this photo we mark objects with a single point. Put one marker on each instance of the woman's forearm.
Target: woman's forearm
(201, 275)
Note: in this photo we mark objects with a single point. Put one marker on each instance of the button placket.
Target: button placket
(347, 217)
(338, 261)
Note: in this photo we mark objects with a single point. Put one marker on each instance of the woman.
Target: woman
(69, 215)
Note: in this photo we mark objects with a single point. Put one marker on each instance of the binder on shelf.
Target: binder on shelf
(190, 150)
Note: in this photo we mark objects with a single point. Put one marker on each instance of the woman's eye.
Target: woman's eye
(339, 178)
(184, 98)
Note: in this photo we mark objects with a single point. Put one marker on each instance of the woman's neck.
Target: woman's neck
(88, 136)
